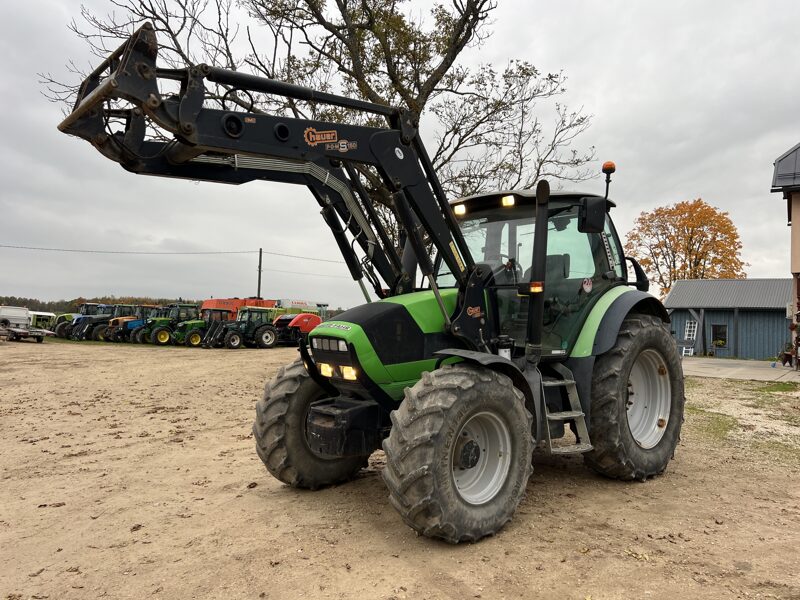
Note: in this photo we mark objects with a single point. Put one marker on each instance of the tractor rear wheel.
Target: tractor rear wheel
(637, 402)
(161, 336)
(194, 338)
(266, 336)
(233, 340)
(280, 433)
(458, 456)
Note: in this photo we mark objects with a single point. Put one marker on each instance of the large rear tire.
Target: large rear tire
(61, 329)
(637, 402)
(266, 336)
(458, 457)
(280, 433)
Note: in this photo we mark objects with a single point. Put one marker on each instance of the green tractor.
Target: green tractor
(158, 330)
(252, 327)
(523, 333)
(192, 332)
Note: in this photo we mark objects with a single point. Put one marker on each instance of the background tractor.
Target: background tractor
(158, 330)
(83, 327)
(252, 327)
(120, 328)
(213, 312)
(95, 327)
(522, 333)
(64, 325)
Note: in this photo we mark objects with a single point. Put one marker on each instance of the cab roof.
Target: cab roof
(525, 197)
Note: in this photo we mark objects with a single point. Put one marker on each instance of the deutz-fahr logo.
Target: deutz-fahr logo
(314, 137)
(474, 312)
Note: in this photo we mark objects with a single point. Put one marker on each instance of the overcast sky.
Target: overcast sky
(690, 99)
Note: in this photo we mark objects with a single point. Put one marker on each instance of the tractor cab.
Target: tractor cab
(580, 266)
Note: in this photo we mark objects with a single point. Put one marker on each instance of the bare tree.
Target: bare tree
(488, 132)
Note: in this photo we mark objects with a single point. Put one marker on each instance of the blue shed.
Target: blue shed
(743, 318)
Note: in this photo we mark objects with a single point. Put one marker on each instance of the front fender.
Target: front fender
(528, 382)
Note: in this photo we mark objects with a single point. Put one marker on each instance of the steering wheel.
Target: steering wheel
(510, 264)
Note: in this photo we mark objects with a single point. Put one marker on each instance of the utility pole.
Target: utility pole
(258, 295)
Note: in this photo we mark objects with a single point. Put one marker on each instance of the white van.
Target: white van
(14, 316)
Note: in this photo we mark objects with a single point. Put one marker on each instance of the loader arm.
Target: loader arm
(202, 142)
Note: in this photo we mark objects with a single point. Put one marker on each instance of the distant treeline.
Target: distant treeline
(65, 306)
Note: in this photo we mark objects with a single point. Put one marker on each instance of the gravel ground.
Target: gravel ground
(130, 472)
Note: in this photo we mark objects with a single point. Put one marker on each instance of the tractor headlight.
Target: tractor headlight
(349, 373)
(325, 369)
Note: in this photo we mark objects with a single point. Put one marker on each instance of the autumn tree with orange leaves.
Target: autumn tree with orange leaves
(688, 240)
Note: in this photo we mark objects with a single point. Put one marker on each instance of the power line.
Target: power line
(146, 252)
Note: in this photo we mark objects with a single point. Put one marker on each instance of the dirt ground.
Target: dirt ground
(130, 472)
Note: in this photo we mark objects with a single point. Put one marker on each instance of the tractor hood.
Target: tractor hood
(390, 342)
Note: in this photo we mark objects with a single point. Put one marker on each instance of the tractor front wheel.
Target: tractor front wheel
(637, 402)
(61, 329)
(233, 340)
(266, 336)
(161, 336)
(280, 433)
(194, 338)
(458, 457)
(138, 335)
(98, 333)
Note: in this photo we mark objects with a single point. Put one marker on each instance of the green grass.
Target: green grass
(714, 425)
(780, 451)
(779, 386)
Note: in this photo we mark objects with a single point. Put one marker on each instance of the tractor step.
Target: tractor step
(557, 382)
(566, 380)
(573, 449)
(566, 415)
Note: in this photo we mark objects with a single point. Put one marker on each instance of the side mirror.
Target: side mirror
(642, 283)
(592, 215)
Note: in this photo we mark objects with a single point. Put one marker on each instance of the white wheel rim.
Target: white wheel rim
(478, 483)
(648, 398)
(268, 337)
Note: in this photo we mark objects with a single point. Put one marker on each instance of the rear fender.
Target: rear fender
(528, 382)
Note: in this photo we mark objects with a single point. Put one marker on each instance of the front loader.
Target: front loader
(523, 332)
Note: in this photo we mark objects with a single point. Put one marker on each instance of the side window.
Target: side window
(618, 261)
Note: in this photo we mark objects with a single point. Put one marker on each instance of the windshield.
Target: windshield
(173, 312)
(577, 267)
(501, 238)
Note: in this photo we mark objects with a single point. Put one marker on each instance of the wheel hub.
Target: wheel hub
(481, 458)
(469, 454)
(648, 402)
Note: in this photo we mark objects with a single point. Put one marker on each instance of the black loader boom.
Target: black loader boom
(220, 145)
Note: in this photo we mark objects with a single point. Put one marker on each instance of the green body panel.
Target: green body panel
(183, 328)
(393, 379)
(424, 310)
(585, 342)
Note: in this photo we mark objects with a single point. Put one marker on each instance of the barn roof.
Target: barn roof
(786, 174)
(730, 293)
